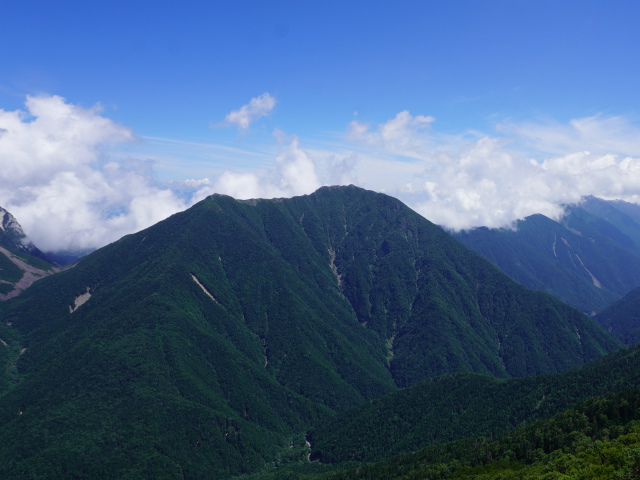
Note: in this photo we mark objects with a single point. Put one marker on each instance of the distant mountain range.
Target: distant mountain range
(203, 346)
(589, 259)
(622, 318)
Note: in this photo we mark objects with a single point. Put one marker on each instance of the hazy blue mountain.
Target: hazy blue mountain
(198, 347)
(624, 216)
(589, 259)
(66, 257)
(622, 318)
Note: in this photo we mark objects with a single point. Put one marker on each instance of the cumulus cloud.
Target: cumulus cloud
(402, 135)
(258, 107)
(60, 180)
(294, 173)
(59, 183)
(493, 181)
(298, 172)
(460, 181)
(458, 197)
(52, 136)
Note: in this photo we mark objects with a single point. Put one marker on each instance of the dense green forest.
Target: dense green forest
(464, 405)
(599, 438)
(206, 345)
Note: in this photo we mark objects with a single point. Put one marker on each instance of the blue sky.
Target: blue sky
(445, 104)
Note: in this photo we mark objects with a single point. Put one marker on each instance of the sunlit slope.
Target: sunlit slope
(197, 347)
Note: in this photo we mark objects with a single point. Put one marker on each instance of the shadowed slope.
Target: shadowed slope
(622, 318)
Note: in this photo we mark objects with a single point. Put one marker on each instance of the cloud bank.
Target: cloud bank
(494, 180)
(403, 135)
(294, 174)
(58, 181)
(61, 181)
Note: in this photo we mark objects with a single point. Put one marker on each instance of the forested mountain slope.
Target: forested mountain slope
(599, 438)
(457, 406)
(197, 347)
(439, 306)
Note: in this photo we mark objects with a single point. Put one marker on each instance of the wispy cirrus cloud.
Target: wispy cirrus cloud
(598, 133)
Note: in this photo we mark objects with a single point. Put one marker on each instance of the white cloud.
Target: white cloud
(462, 182)
(294, 173)
(403, 135)
(54, 135)
(297, 170)
(258, 107)
(239, 185)
(490, 185)
(59, 178)
(458, 181)
(599, 134)
(58, 182)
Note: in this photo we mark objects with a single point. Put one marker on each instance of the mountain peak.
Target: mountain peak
(12, 236)
(21, 262)
(10, 225)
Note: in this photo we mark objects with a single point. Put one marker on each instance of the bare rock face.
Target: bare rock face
(21, 262)
(12, 236)
(10, 226)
